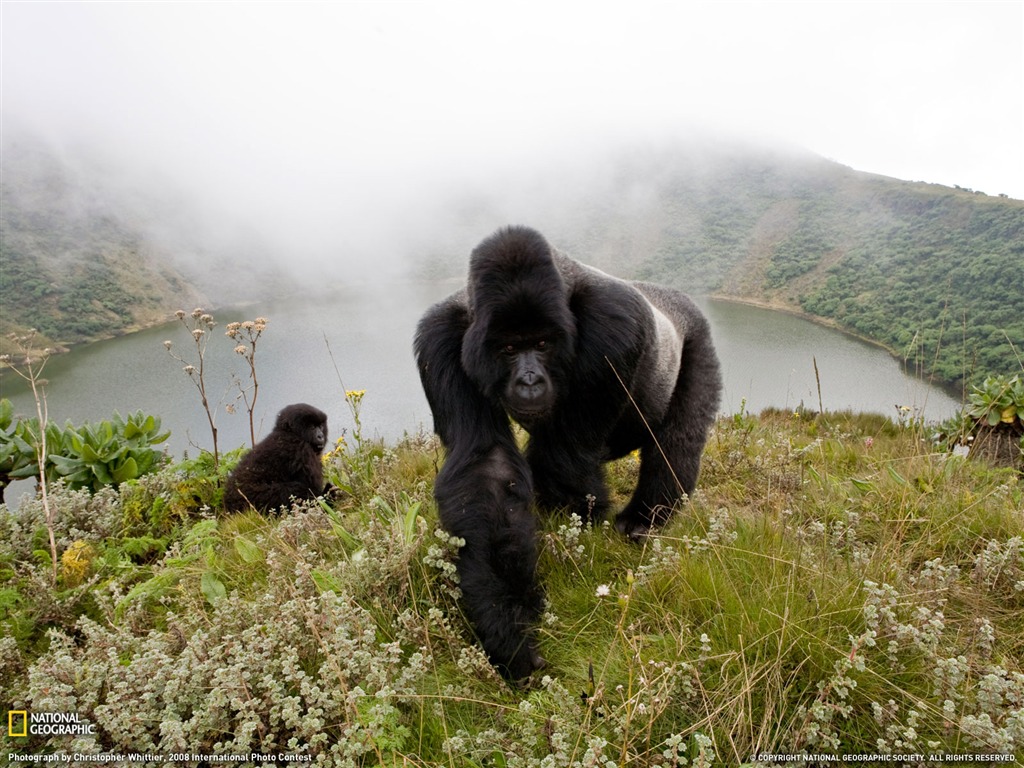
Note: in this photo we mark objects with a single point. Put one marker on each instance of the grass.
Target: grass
(835, 586)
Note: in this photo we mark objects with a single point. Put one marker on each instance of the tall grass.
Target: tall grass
(833, 587)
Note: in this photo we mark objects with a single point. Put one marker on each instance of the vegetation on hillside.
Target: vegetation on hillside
(75, 267)
(88, 254)
(835, 586)
(930, 272)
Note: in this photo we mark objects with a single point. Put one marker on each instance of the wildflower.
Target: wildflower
(189, 369)
(241, 349)
(168, 344)
(197, 313)
(868, 442)
(76, 561)
(180, 314)
(198, 333)
(603, 590)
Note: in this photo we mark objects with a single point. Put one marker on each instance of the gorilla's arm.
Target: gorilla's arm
(483, 496)
(485, 499)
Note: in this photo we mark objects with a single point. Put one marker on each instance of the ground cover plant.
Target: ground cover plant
(834, 586)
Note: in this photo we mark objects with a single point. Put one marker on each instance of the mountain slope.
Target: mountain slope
(933, 273)
(74, 267)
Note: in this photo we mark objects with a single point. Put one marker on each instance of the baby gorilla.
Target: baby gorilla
(284, 465)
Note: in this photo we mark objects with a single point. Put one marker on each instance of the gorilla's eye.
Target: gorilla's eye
(542, 344)
(510, 349)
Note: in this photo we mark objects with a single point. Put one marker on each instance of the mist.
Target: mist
(349, 141)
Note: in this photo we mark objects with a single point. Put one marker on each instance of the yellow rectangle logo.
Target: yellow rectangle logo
(24, 723)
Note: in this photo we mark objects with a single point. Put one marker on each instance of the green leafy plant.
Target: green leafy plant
(88, 456)
(108, 453)
(999, 399)
(17, 457)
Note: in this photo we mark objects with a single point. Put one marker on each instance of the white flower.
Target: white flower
(603, 590)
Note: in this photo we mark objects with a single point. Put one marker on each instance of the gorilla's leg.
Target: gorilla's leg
(670, 463)
(574, 481)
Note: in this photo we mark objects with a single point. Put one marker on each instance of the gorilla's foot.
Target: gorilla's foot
(633, 527)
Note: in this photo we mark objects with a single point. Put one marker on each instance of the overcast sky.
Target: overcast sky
(271, 102)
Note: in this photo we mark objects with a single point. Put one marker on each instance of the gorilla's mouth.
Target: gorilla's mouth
(527, 416)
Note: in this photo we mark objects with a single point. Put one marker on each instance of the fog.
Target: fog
(343, 137)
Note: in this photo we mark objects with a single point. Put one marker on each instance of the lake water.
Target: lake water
(767, 359)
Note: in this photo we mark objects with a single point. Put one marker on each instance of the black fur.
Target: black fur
(593, 367)
(286, 464)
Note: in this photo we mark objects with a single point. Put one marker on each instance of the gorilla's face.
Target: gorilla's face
(305, 421)
(519, 346)
(529, 391)
(316, 435)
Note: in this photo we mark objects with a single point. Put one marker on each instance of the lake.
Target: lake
(767, 359)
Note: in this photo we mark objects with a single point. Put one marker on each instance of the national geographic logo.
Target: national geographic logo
(13, 719)
(22, 723)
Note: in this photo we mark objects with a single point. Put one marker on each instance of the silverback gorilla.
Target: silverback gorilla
(285, 464)
(592, 367)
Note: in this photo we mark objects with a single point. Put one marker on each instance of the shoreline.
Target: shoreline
(776, 306)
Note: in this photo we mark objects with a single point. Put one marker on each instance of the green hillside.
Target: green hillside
(90, 250)
(933, 273)
(73, 266)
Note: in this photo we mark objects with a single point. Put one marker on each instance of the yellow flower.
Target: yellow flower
(339, 448)
(76, 561)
